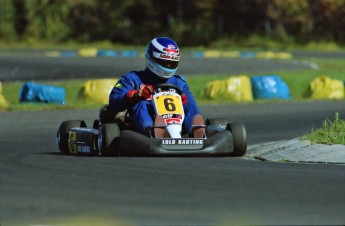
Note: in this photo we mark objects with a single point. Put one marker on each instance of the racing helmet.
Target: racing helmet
(162, 57)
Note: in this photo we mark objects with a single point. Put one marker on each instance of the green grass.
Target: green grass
(298, 81)
(332, 132)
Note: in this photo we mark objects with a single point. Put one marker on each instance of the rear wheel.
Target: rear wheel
(107, 138)
(62, 133)
(239, 136)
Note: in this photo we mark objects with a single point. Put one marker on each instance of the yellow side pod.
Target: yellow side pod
(97, 90)
(235, 88)
(3, 103)
(326, 88)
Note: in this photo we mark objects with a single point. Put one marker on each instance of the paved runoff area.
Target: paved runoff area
(297, 150)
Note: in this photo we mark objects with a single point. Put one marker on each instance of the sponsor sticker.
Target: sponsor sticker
(172, 121)
(72, 146)
(183, 141)
(169, 57)
(84, 149)
(118, 85)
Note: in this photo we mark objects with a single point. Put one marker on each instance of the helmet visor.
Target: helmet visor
(166, 63)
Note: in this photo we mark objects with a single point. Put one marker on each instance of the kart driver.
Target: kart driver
(133, 90)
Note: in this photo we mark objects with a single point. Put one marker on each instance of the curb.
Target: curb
(297, 150)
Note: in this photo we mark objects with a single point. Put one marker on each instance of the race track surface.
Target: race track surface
(44, 68)
(39, 186)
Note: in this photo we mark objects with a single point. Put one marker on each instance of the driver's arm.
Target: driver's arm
(118, 100)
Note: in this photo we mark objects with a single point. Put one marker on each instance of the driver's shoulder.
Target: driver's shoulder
(179, 77)
(132, 74)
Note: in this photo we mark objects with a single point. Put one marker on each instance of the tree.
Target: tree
(7, 31)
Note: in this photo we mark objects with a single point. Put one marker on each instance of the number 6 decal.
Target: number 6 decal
(169, 104)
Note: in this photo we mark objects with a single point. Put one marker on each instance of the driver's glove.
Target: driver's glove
(184, 99)
(143, 93)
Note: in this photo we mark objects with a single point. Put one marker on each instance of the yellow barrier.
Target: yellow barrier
(3, 103)
(224, 54)
(97, 90)
(88, 52)
(236, 88)
(326, 88)
(52, 54)
(274, 55)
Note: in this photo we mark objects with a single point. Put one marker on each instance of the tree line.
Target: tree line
(189, 22)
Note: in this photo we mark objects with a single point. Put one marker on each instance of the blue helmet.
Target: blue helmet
(162, 57)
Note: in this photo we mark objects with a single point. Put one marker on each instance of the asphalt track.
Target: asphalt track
(39, 186)
(43, 68)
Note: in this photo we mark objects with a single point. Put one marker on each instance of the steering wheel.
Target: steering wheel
(166, 86)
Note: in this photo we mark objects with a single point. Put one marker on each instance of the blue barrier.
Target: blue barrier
(31, 92)
(269, 87)
(198, 54)
(129, 53)
(247, 54)
(68, 53)
(106, 53)
(193, 54)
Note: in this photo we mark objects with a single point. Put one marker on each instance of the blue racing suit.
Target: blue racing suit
(142, 112)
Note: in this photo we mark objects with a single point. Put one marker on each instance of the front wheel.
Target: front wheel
(62, 135)
(107, 138)
(239, 136)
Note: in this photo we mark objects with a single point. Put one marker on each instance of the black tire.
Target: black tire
(239, 136)
(108, 138)
(215, 125)
(62, 133)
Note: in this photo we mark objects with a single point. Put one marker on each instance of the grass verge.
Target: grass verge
(332, 132)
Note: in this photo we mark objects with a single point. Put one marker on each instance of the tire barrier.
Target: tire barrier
(269, 87)
(324, 87)
(243, 88)
(107, 53)
(3, 102)
(273, 55)
(31, 92)
(236, 88)
(68, 54)
(87, 52)
(94, 52)
(96, 90)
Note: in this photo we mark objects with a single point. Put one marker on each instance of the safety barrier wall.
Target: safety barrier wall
(3, 102)
(269, 87)
(32, 92)
(96, 90)
(324, 87)
(94, 52)
(239, 88)
(236, 88)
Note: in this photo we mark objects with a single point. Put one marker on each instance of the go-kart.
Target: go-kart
(113, 133)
